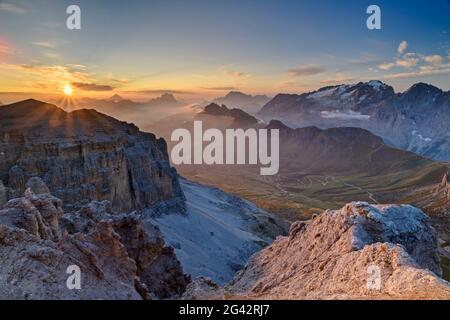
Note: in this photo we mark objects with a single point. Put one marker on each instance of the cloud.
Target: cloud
(11, 8)
(402, 47)
(344, 115)
(4, 50)
(122, 81)
(434, 59)
(228, 71)
(236, 74)
(307, 70)
(221, 88)
(408, 61)
(386, 66)
(423, 71)
(44, 44)
(52, 55)
(32, 75)
(92, 86)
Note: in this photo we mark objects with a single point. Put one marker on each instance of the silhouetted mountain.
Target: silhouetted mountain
(241, 118)
(166, 100)
(417, 119)
(248, 103)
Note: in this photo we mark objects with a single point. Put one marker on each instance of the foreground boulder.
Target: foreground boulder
(359, 252)
(117, 257)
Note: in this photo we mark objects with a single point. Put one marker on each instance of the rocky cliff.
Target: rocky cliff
(82, 156)
(117, 257)
(360, 251)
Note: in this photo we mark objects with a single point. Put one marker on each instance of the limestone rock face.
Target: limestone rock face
(338, 254)
(3, 195)
(83, 156)
(117, 258)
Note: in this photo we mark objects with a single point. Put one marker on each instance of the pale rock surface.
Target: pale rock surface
(331, 256)
(37, 186)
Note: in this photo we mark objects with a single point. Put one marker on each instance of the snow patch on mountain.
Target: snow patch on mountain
(218, 233)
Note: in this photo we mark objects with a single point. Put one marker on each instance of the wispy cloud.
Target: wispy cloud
(419, 65)
(4, 50)
(44, 44)
(221, 88)
(410, 60)
(11, 8)
(386, 66)
(92, 86)
(32, 76)
(307, 70)
(52, 55)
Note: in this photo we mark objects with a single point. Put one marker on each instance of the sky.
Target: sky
(205, 48)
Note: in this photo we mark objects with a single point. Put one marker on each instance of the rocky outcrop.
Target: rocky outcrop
(361, 251)
(83, 156)
(157, 266)
(417, 120)
(218, 233)
(117, 257)
(444, 187)
(248, 103)
(3, 195)
(241, 119)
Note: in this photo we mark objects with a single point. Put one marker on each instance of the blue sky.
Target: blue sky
(199, 47)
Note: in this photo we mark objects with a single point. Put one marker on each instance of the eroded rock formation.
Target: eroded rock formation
(117, 258)
(334, 256)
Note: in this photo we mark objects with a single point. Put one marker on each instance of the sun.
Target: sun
(68, 90)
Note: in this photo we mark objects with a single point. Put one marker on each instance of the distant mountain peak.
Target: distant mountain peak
(246, 102)
(116, 98)
(166, 98)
